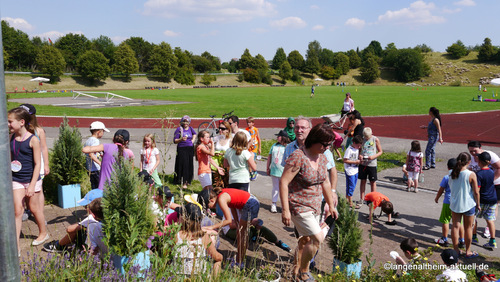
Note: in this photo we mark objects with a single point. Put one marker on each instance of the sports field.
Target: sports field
(284, 101)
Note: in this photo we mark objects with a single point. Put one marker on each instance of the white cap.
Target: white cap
(98, 125)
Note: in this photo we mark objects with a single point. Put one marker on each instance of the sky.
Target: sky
(225, 28)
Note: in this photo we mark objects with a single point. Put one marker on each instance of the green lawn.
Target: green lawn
(286, 101)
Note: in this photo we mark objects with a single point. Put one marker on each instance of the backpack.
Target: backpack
(413, 163)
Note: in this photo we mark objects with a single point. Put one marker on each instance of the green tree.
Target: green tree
(373, 48)
(354, 59)
(93, 66)
(246, 60)
(260, 63)
(369, 69)
(326, 57)
(207, 79)
(341, 63)
(423, 48)
(328, 72)
(51, 61)
(184, 76)
(285, 71)
(214, 61)
(72, 47)
(183, 57)
(163, 62)
(201, 64)
(457, 50)
(312, 64)
(142, 50)
(125, 61)
(265, 77)
(106, 46)
(486, 52)
(232, 66)
(278, 59)
(390, 53)
(296, 77)
(296, 60)
(22, 52)
(251, 75)
(409, 65)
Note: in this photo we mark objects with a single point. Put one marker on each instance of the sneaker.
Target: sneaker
(283, 246)
(253, 176)
(486, 233)
(415, 190)
(273, 208)
(53, 247)
(475, 241)
(441, 242)
(490, 245)
(26, 214)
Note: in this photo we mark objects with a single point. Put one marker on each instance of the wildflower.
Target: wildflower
(416, 249)
(319, 276)
(426, 259)
(337, 267)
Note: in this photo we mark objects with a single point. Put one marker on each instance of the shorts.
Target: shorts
(306, 224)
(350, 184)
(241, 186)
(470, 212)
(445, 217)
(487, 211)
(18, 185)
(251, 208)
(413, 175)
(367, 172)
(497, 187)
(205, 179)
(338, 142)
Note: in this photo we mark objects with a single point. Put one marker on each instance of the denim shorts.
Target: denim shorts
(470, 212)
(251, 208)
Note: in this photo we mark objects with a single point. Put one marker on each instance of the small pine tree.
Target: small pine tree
(346, 239)
(128, 219)
(67, 163)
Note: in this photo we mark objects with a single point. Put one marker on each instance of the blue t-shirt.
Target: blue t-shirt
(447, 190)
(487, 191)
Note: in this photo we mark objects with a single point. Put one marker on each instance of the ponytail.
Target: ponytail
(462, 160)
(120, 142)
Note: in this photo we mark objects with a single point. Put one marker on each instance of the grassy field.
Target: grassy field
(286, 101)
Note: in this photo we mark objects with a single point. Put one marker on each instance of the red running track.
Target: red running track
(457, 128)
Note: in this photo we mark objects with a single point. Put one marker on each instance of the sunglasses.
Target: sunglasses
(222, 128)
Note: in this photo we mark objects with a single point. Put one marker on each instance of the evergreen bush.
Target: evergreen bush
(67, 164)
(346, 239)
(128, 218)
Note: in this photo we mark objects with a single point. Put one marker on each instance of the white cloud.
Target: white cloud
(355, 23)
(259, 30)
(289, 22)
(314, 7)
(419, 13)
(118, 39)
(18, 23)
(170, 33)
(210, 11)
(468, 3)
(318, 27)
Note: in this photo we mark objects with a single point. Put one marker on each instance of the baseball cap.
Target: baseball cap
(449, 256)
(146, 177)
(29, 108)
(98, 125)
(282, 133)
(92, 195)
(191, 211)
(124, 133)
(165, 192)
(203, 198)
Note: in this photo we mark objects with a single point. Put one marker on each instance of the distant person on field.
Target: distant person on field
(312, 91)
(93, 163)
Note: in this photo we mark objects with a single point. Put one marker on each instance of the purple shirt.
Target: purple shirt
(108, 159)
(185, 132)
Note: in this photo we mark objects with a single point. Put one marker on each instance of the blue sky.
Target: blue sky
(226, 27)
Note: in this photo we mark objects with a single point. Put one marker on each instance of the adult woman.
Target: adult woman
(346, 108)
(355, 128)
(222, 143)
(110, 151)
(304, 179)
(464, 201)
(183, 137)
(434, 134)
(238, 159)
(290, 125)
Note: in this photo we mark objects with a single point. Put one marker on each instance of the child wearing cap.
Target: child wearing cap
(274, 167)
(452, 272)
(194, 243)
(87, 231)
(93, 164)
(110, 151)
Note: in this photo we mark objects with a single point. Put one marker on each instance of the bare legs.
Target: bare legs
(35, 207)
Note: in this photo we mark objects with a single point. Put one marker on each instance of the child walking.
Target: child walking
(351, 163)
(274, 167)
(93, 163)
(487, 199)
(254, 145)
(150, 158)
(238, 159)
(26, 164)
(445, 217)
(414, 165)
(205, 150)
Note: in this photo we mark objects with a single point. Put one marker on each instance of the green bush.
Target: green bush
(67, 164)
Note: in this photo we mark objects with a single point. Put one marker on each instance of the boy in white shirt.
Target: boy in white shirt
(351, 164)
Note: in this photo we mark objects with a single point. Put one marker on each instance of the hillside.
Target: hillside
(445, 71)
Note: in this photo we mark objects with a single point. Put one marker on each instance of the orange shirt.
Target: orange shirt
(203, 161)
(254, 139)
(376, 198)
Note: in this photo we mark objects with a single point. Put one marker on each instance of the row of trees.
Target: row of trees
(95, 59)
